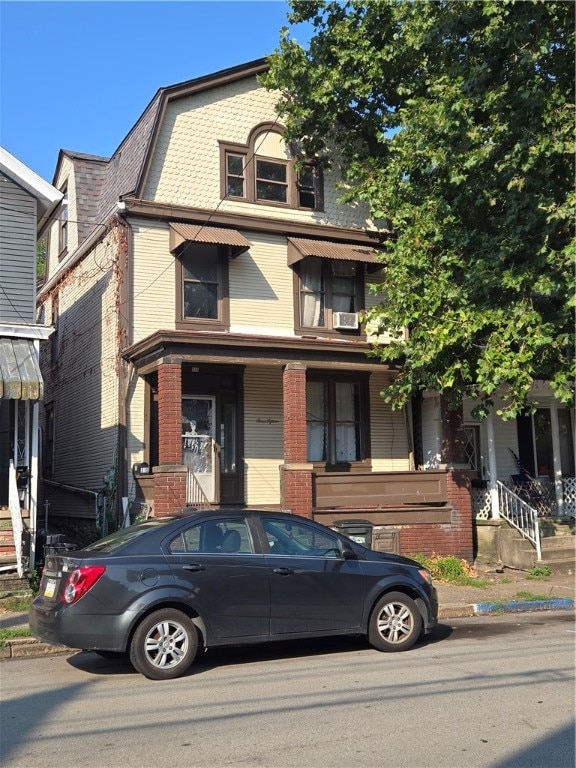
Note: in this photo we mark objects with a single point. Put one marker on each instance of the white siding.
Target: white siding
(263, 434)
(431, 431)
(153, 279)
(17, 253)
(505, 439)
(84, 385)
(261, 294)
(186, 165)
(65, 179)
(388, 431)
(136, 427)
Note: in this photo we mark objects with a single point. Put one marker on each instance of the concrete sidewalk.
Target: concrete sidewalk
(506, 591)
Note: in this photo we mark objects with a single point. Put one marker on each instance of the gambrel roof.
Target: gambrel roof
(101, 182)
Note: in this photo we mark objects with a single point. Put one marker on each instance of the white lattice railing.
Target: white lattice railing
(569, 492)
(538, 494)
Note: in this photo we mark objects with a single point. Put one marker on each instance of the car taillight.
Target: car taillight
(80, 581)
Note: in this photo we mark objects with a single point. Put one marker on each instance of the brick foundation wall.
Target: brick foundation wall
(297, 490)
(456, 538)
(169, 489)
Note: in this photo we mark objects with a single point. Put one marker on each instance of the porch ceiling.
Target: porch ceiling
(20, 377)
(240, 349)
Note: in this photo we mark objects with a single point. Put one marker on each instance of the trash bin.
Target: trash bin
(359, 531)
(53, 544)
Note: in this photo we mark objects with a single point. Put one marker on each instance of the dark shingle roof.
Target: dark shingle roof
(101, 181)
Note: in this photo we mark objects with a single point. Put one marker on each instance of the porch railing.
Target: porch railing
(195, 496)
(520, 515)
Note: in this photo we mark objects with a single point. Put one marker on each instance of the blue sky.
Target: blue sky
(77, 75)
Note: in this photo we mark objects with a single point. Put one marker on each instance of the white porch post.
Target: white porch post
(34, 484)
(557, 462)
(492, 469)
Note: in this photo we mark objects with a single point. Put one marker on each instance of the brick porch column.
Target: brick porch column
(170, 474)
(296, 473)
(458, 484)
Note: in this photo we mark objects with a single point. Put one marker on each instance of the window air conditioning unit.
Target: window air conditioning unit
(346, 320)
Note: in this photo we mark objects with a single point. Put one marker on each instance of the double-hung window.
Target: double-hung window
(63, 225)
(336, 418)
(264, 171)
(203, 278)
(326, 287)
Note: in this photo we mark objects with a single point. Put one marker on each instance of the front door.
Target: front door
(198, 441)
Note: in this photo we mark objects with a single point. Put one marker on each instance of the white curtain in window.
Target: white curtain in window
(311, 295)
(345, 422)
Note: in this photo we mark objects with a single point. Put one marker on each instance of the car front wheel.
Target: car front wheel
(395, 623)
(164, 645)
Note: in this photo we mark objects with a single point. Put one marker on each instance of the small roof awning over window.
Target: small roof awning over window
(20, 377)
(198, 233)
(298, 248)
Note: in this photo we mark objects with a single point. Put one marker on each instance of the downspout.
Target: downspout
(125, 335)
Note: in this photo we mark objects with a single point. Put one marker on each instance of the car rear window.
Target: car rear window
(124, 536)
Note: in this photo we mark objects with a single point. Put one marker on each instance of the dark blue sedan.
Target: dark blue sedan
(155, 591)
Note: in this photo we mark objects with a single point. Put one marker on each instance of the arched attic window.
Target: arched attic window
(263, 171)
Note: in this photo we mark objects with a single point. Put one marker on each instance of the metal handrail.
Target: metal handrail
(520, 515)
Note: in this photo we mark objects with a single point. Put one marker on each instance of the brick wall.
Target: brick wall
(170, 413)
(296, 473)
(455, 538)
(170, 475)
(169, 489)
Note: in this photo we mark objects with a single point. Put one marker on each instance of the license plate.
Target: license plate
(50, 588)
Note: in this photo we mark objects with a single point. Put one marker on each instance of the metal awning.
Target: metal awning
(20, 377)
(198, 233)
(299, 248)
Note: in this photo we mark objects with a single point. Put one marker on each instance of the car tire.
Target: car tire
(395, 623)
(164, 645)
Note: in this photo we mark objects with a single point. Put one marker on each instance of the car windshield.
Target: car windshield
(120, 538)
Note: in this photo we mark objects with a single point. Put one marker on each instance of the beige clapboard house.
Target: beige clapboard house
(209, 346)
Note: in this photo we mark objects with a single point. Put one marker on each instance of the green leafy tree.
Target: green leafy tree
(455, 122)
(41, 258)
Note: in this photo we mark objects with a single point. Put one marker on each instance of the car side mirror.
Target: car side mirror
(348, 553)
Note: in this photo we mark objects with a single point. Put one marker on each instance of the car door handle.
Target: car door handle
(193, 567)
(284, 571)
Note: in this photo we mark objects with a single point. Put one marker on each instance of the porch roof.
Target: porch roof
(20, 377)
(185, 233)
(299, 248)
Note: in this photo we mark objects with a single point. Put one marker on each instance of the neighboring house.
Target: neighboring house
(28, 202)
(209, 349)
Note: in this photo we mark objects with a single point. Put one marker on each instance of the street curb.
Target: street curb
(511, 606)
(29, 647)
(520, 606)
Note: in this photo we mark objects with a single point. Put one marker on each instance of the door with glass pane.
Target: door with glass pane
(198, 441)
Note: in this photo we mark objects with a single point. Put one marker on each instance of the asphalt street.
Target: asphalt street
(494, 692)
